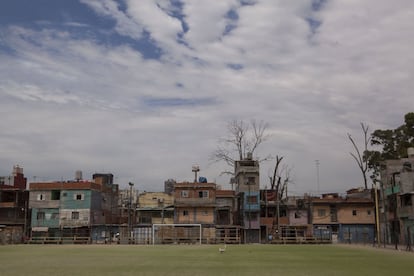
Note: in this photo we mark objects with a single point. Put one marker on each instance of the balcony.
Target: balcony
(8, 204)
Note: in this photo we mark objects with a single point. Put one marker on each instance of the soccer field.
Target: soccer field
(257, 260)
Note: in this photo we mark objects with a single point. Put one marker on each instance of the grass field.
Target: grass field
(238, 260)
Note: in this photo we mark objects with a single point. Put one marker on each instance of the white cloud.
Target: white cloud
(85, 105)
(124, 24)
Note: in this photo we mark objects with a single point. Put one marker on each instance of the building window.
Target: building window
(41, 216)
(203, 194)
(55, 195)
(184, 193)
(406, 200)
(75, 215)
(185, 213)
(368, 212)
(41, 197)
(354, 212)
(321, 212)
(252, 199)
(252, 216)
(55, 216)
(78, 197)
(297, 214)
(251, 180)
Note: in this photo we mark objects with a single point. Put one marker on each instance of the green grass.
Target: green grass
(238, 260)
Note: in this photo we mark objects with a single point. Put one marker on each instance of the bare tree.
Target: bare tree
(361, 157)
(243, 138)
(278, 183)
(276, 178)
(280, 178)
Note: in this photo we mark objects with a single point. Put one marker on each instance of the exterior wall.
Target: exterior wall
(195, 203)
(406, 210)
(68, 219)
(407, 182)
(155, 207)
(58, 205)
(42, 199)
(225, 207)
(364, 215)
(356, 233)
(397, 187)
(251, 206)
(13, 207)
(77, 199)
(195, 194)
(49, 219)
(14, 181)
(203, 215)
(156, 199)
(298, 217)
(350, 219)
(317, 218)
(11, 234)
(225, 202)
(252, 221)
(169, 220)
(247, 175)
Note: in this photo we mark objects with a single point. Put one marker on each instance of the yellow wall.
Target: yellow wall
(195, 215)
(345, 214)
(155, 199)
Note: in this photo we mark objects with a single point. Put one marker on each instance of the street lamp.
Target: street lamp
(130, 211)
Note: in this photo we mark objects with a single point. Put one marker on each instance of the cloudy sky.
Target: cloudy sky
(144, 88)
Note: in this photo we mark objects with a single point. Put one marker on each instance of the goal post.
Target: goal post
(177, 233)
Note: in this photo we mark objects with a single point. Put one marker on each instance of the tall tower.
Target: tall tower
(247, 178)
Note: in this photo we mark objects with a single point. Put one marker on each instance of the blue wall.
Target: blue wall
(68, 199)
(49, 220)
(251, 207)
(354, 233)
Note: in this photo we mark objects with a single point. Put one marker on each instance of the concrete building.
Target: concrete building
(14, 211)
(76, 208)
(195, 203)
(396, 201)
(349, 219)
(226, 215)
(155, 208)
(247, 179)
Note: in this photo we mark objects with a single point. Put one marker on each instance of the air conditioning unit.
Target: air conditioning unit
(160, 200)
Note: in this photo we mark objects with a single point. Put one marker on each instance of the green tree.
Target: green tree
(394, 142)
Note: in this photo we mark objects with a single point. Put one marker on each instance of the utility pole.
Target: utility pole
(317, 175)
(374, 186)
(130, 212)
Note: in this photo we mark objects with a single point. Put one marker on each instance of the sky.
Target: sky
(144, 89)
